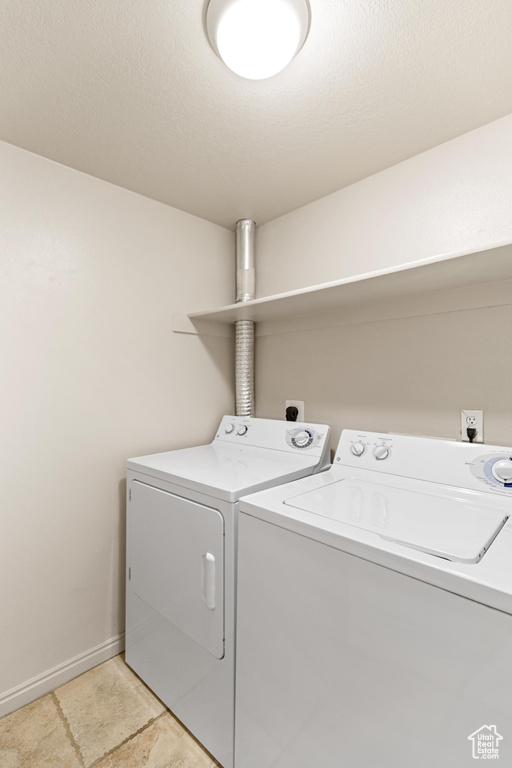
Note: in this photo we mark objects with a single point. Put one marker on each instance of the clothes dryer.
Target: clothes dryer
(182, 509)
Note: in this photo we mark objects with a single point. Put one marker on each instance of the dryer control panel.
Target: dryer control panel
(294, 437)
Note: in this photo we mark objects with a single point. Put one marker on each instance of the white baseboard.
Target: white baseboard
(53, 678)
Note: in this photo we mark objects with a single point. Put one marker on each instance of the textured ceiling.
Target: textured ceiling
(131, 92)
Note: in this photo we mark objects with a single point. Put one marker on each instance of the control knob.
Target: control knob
(502, 471)
(302, 439)
(381, 452)
(242, 430)
(358, 449)
(229, 428)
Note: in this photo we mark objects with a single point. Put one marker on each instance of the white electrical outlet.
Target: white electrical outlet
(472, 420)
(299, 404)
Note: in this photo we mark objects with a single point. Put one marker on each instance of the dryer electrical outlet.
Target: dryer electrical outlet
(299, 405)
(472, 420)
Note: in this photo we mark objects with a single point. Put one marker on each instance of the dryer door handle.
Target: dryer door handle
(208, 580)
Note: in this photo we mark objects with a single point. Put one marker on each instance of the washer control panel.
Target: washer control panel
(449, 462)
(279, 435)
(367, 447)
(494, 469)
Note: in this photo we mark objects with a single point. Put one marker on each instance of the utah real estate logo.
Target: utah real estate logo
(486, 743)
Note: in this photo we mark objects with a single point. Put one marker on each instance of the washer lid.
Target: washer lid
(457, 529)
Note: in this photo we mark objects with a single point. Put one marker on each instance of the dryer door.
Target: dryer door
(177, 562)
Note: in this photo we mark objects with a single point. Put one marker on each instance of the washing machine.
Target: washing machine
(375, 610)
(182, 511)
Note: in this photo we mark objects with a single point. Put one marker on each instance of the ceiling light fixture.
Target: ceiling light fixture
(257, 38)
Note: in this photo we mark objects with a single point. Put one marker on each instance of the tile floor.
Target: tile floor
(106, 718)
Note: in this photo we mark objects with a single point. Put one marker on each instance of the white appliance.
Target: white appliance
(182, 511)
(375, 610)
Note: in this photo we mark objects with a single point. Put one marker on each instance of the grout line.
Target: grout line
(69, 734)
(186, 732)
(128, 739)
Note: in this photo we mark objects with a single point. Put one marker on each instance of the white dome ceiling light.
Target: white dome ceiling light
(257, 38)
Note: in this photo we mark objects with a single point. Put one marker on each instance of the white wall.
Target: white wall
(454, 197)
(90, 375)
(397, 374)
(410, 375)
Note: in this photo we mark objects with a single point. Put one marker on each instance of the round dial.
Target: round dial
(502, 471)
(494, 469)
(358, 449)
(302, 438)
(229, 428)
(242, 430)
(381, 452)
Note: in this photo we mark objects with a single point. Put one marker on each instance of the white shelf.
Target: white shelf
(446, 273)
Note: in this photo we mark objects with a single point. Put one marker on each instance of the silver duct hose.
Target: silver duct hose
(244, 367)
(245, 271)
(244, 329)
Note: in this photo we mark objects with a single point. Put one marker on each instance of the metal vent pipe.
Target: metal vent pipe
(244, 329)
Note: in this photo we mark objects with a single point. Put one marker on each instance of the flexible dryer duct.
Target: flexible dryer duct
(244, 329)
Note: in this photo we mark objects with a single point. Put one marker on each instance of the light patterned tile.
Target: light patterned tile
(164, 744)
(35, 737)
(105, 706)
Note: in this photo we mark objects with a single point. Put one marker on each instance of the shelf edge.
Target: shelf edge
(360, 278)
